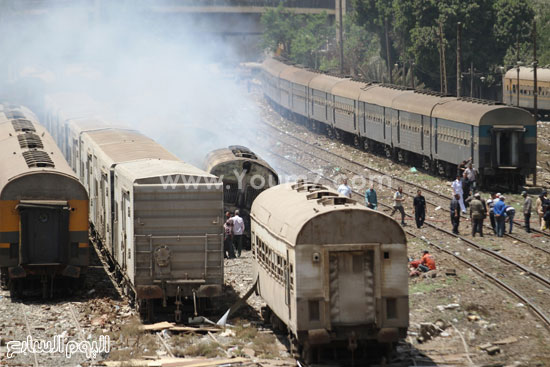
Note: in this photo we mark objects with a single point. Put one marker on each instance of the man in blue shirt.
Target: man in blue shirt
(370, 198)
(500, 216)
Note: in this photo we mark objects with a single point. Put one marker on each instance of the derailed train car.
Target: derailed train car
(43, 209)
(244, 174)
(331, 270)
(158, 218)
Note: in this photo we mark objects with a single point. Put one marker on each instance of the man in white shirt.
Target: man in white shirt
(457, 190)
(344, 189)
(238, 230)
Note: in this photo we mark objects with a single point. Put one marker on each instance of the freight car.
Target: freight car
(331, 270)
(244, 176)
(43, 208)
(419, 128)
(158, 218)
(525, 87)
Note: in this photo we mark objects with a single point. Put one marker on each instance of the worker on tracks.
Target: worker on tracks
(398, 204)
(457, 190)
(344, 189)
(371, 200)
(424, 265)
(500, 215)
(419, 204)
(455, 213)
(477, 213)
(527, 206)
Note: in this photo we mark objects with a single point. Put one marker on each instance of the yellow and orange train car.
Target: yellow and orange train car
(43, 208)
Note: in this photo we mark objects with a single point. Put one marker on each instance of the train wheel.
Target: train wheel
(388, 151)
(427, 164)
(366, 144)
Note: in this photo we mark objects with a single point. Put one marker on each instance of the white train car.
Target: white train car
(333, 271)
(158, 218)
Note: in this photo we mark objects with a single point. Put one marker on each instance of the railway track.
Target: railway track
(402, 181)
(521, 278)
(436, 200)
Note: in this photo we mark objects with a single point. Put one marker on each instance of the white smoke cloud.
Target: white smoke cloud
(155, 71)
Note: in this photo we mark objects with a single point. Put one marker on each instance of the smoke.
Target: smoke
(156, 71)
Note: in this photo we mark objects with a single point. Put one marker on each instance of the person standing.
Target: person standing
(490, 206)
(470, 174)
(419, 204)
(370, 198)
(398, 204)
(228, 249)
(477, 212)
(344, 189)
(455, 213)
(540, 210)
(510, 213)
(527, 206)
(457, 190)
(500, 216)
(238, 230)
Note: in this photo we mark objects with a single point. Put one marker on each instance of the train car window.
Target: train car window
(386, 255)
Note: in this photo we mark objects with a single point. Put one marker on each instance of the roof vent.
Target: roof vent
(22, 125)
(336, 200)
(320, 194)
(30, 140)
(15, 114)
(307, 186)
(242, 152)
(37, 158)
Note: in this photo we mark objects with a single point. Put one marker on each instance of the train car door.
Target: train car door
(44, 232)
(124, 221)
(352, 287)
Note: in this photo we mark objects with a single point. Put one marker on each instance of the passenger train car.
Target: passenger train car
(158, 218)
(43, 208)
(427, 130)
(244, 176)
(331, 270)
(526, 88)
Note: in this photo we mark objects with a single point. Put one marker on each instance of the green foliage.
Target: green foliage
(542, 9)
(490, 31)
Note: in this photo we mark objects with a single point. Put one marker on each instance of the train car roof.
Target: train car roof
(306, 213)
(231, 154)
(419, 103)
(121, 145)
(13, 163)
(142, 170)
(348, 89)
(288, 72)
(477, 114)
(381, 95)
(324, 82)
(526, 73)
(303, 77)
(273, 66)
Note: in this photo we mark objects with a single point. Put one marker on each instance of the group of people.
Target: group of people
(233, 235)
(464, 184)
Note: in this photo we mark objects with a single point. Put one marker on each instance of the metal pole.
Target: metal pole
(517, 63)
(472, 79)
(388, 51)
(441, 57)
(412, 74)
(341, 33)
(535, 61)
(458, 57)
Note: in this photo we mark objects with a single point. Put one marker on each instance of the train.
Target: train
(43, 209)
(244, 175)
(525, 87)
(158, 218)
(330, 270)
(425, 129)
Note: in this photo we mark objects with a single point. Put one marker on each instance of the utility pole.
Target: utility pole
(441, 80)
(341, 34)
(535, 61)
(458, 57)
(388, 50)
(412, 74)
(471, 79)
(517, 67)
